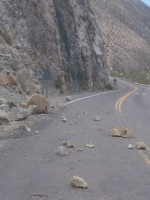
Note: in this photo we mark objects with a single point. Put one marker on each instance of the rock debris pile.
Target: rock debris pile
(126, 133)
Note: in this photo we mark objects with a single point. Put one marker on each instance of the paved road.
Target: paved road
(30, 168)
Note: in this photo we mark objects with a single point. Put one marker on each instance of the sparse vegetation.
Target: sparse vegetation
(109, 86)
(138, 76)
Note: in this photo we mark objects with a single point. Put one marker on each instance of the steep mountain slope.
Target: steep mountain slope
(125, 26)
(59, 35)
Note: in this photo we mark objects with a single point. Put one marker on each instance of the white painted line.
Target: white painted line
(144, 94)
(76, 100)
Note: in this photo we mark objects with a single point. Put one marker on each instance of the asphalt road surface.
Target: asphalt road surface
(30, 168)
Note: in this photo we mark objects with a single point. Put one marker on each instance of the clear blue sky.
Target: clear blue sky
(147, 2)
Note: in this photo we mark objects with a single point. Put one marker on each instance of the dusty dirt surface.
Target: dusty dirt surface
(56, 101)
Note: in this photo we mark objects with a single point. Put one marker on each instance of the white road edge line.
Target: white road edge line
(76, 100)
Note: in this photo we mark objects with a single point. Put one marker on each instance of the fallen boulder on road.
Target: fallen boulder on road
(78, 182)
(141, 145)
(38, 100)
(121, 132)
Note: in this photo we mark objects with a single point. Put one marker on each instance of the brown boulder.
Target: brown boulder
(121, 132)
(41, 103)
(141, 145)
(6, 79)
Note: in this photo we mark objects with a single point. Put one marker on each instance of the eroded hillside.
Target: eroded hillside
(125, 26)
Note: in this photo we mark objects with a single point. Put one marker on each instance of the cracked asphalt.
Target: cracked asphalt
(30, 168)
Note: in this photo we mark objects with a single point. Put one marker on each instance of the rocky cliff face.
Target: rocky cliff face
(125, 26)
(82, 48)
(60, 35)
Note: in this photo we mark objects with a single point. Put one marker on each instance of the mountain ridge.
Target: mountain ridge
(125, 27)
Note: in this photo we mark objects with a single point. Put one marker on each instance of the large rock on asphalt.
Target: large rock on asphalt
(41, 103)
(78, 182)
(141, 145)
(121, 132)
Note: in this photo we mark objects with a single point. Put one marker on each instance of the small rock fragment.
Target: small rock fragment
(69, 144)
(62, 151)
(85, 113)
(130, 146)
(141, 145)
(90, 145)
(37, 132)
(78, 182)
(79, 150)
(28, 129)
(68, 98)
(79, 117)
(97, 118)
(63, 119)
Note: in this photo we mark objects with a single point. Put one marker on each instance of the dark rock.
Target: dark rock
(4, 118)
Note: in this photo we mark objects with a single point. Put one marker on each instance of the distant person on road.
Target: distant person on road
(115, 81)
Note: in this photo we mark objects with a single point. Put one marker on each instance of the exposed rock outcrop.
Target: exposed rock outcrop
(31, 40)
(83, 57)
(125, 28)
(6, 79)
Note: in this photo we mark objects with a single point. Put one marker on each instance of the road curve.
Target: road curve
(30, 168)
